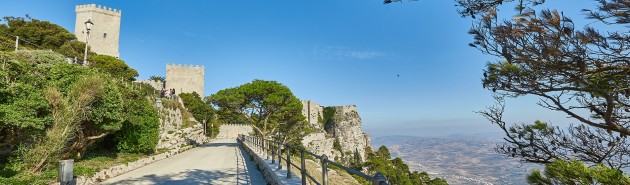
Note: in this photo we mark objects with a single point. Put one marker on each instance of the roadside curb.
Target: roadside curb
(117, 170)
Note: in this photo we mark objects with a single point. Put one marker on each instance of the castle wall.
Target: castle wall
(346, 109)
(157, 85)
(185, 78)
(313, 112)
(105, 34)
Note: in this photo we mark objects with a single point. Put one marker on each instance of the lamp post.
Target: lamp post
(88, 27)
(158, 104)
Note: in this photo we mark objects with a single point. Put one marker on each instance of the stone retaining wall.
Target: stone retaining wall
(124, 168)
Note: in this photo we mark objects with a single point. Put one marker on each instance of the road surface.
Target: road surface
(219, 162)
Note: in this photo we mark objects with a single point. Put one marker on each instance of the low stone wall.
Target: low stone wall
(124, 168)
(232, 131)
(270, 172)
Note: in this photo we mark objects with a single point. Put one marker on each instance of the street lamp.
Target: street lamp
(158, 104)
(88, 27)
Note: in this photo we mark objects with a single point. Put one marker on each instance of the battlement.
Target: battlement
(98, 8)
(345, 109)
(192, 67)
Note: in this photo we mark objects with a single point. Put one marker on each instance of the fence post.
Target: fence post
(324, 169)
(262, 147)
(273, 153)
(17, 40)
(256, 140)
(288, 148)
(266, 144)
(279, 155)
(379, 179)
(303, 166)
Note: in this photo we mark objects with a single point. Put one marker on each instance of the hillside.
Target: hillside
(458, 159)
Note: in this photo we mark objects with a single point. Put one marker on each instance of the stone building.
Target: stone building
(104, 35)
(312, 111)
(185, 78)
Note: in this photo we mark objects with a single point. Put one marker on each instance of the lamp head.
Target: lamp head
(158, 103)
(88, 25)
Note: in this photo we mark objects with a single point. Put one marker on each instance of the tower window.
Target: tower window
(104, 35)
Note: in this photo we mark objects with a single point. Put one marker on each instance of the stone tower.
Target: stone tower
(185, 78)
(105, 33)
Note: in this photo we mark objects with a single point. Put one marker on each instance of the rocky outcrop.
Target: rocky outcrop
(177, 131)
(342, 128)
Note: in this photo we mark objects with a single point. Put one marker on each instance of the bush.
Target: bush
(140, 132)
(40, 58)
(187, 123)
(337, 146)
(113, 66)
(575, 172)
(26, 178)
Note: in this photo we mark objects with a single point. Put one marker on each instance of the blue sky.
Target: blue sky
(330, 52)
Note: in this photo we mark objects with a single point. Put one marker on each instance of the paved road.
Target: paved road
(219, 162)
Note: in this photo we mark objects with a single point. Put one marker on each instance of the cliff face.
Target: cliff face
(176, 131)
(338, 134)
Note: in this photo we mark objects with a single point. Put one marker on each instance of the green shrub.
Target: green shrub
(575, 172)
(171, 104)
(140, 132)
(187, 124)
(26, 178)
(40, 58)
(337, 146)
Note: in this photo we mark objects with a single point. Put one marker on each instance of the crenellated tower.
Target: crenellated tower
(105, 34)
(185, 78)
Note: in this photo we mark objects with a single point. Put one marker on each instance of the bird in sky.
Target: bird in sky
(398, 75)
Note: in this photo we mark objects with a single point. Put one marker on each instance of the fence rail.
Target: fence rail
(274, 149)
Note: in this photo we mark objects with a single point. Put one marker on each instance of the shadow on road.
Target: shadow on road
(250, 174)
(220, 144)
(234, 167)
(187, 177)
